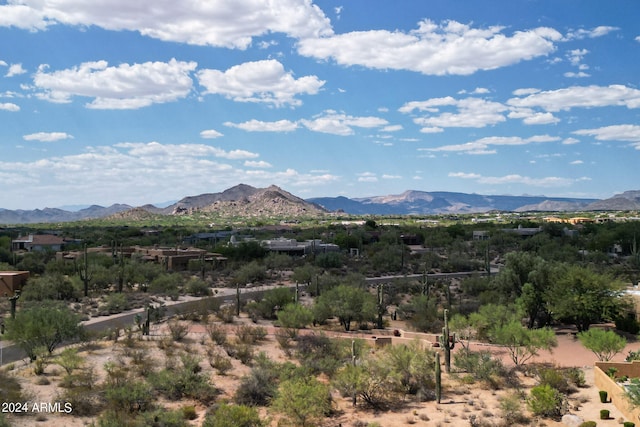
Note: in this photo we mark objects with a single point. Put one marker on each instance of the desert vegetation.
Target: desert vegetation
(266, 339)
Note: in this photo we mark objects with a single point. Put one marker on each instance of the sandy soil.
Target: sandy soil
(460, 402)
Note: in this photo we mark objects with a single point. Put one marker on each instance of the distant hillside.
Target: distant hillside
(627, 201)
(58, 215)
(438, 202)
(250, 202)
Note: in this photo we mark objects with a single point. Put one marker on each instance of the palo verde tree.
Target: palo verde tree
(349, 304)
(582, 296)
(43, 325)
(604, 344)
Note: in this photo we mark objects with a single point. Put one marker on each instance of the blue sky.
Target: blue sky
(120, 101)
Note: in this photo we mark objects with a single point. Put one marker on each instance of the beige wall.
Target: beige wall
(10, 281)
(615, 391)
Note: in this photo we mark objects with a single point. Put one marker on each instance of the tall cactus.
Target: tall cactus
(381, 307)
(438, 378)
(85, 276)
(447, 343)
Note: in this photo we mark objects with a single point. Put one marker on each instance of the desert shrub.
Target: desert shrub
(248, 334)
(197, 288)
(217, 333)
(482, 366)
(576, 376)
(129, 397)
(604, 414)
(555, 378)
(546, 401)
(227, 313)
(257, 388)
(116, 303)
(69, 360)
(189, 412)
(233, 416)
(295, 316)
(219, 362)
(511, 409)
(628, 424)
(184, 381)
(178, 329)
(589, 424)
(321, 354)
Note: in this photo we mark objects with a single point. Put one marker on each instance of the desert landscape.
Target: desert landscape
(462, 403)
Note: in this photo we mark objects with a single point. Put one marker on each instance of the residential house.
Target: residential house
(11, 281)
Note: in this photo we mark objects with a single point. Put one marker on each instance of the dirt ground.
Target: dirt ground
(460, 402)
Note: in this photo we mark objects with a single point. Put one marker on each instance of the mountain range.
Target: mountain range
(247, 201)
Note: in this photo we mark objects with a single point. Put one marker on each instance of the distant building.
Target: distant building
(293, 247)
(38, 243)
(11, 281)
(480, 235)
(523, 231)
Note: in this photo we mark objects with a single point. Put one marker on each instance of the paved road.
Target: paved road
(11, 353)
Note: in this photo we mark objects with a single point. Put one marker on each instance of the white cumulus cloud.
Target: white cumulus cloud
(580, 96)
(126, 86)
(341, 124)
(223, 23)
(433, 49)
(47, 136)
(260, 126)
(260, 81)
(9, 106)
(210, 134)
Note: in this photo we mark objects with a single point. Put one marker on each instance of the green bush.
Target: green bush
(628, 424)
(189, 412)
(129, 397)
(555, 379)
(603, 396)
(588, 424)
(546, 401)
(233, 416)
(604, 414)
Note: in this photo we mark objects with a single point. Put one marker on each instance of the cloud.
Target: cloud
(134, 172)
(392, 128)
(626, 133)
(367, 177)
(127, 86)
(570, 141)
(580, 96)
(576, 162)
(470, 112)
(260, 81)
(578, 75)
(155, 149)
(9, 106)
(210, 134)
(550, 181)
(260, 126)
(341, 124)
(600, 31)
(433, 49)
(257, 164)
(15, 70)
(47, 136)
(483, 145)
(224, 23)
(23, 17)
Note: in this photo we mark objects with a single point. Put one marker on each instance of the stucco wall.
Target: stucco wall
(614, 390)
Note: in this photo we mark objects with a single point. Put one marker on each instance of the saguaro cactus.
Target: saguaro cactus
(447, 342)
(85, 276)
(381, 307)
(438, 378)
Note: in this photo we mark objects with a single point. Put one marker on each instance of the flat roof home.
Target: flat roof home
(11, 281)
(37, 242)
